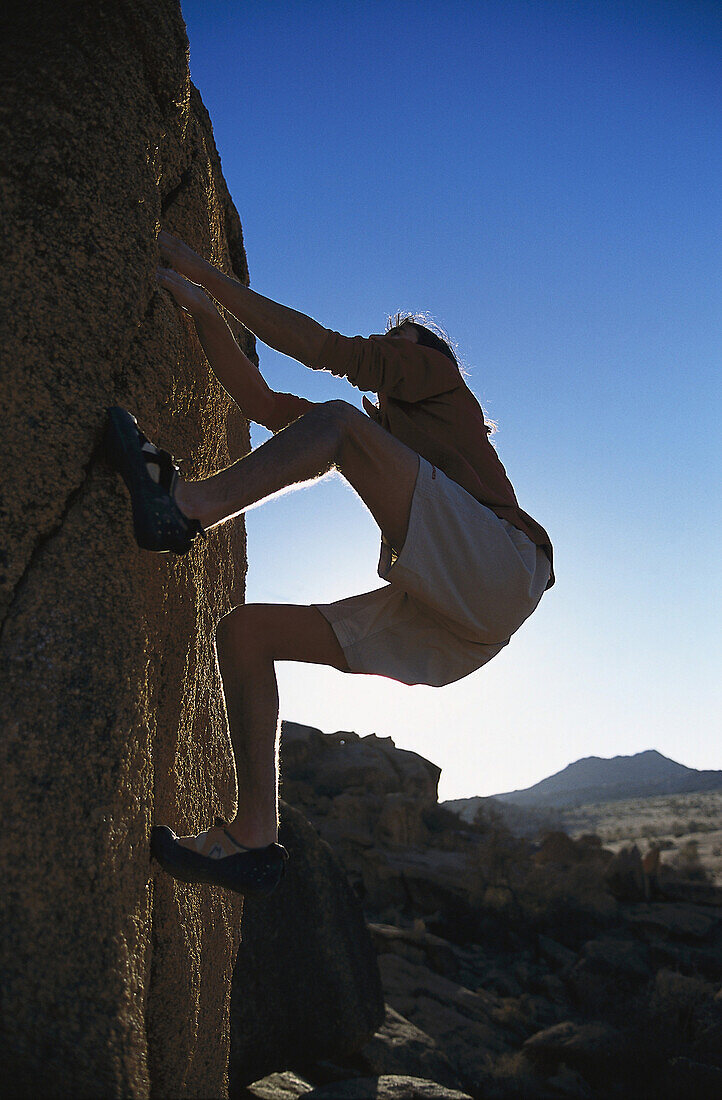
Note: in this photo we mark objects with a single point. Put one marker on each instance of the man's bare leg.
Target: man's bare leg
(248, 642)
(333, 435)
(383, 472)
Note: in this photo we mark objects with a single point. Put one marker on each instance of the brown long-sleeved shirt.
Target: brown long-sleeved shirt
(425, 403)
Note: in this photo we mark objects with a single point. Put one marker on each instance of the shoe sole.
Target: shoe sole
(248, 873)
(158, 524)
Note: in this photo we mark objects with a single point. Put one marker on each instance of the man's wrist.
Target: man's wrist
(205, 312)
(214, 281)
(198, 270)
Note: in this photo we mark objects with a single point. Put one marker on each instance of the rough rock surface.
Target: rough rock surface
(386, 1087)
(277, 1086)
(371, 802)
(306, 984)
(115, 979)
(401, 1048)
(579, 1045)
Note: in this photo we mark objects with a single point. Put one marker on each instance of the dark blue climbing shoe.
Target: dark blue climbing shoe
(246, 871)
(150, 475)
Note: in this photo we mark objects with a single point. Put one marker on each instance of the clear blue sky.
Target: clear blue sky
(543, 177)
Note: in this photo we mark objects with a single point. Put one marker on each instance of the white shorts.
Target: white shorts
(464, 581)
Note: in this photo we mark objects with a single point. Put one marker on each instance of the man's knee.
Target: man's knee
(341, 412)
(345, 422)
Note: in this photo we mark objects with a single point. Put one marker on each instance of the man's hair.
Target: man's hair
(430, 334)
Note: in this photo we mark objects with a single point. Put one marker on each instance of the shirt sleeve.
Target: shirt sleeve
(287, 407)
(380, 364)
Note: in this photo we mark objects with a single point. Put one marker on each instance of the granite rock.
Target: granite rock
(306, 984)
(116, 979)
(386, 1087)
(399, 1047)
(581, 1046)
(278, 1086)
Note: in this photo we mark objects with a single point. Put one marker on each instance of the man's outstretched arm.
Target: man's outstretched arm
(283, 329)
(234, 370)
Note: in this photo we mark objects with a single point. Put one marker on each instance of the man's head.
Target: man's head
(405, 326)
(407, 330)
(419, 328)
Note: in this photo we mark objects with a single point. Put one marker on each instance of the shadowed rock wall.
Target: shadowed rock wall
(116, 981)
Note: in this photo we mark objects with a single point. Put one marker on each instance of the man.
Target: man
(465, 565)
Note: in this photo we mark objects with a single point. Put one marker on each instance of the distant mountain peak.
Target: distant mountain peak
(604, 779)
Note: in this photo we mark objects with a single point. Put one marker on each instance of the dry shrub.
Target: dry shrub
(703, 826)
(563, 894)
(512, 1075)
(499, 864)
(570, 901)
(685, 865)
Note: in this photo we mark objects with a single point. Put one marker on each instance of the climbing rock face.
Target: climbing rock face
(116, 979)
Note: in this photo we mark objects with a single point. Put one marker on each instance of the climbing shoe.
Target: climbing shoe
(150, 475)
(245, 870)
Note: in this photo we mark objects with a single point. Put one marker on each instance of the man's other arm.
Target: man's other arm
(286, 330)
(239, 377)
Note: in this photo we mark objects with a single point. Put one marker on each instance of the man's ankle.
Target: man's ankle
(253, 836)
(186, 499)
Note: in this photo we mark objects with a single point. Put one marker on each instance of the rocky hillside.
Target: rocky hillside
(510, 969)
(115, 981)
(595, 779)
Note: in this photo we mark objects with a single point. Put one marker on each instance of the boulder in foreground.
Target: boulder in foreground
(306, 985)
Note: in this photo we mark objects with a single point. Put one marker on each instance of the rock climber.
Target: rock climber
(464, 565)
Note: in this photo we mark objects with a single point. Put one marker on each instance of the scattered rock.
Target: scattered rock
(581, 1046)
(386, 1088)
(499, 980)
(696, 893)
(419, 946)
(673, 919)
(279, 1086)
(401, 1048)
(706, 961)
(685, 1007)
(618, 957)
(559, 956)
(606, 973)
(339, 762)
(487, 946)
(399, 824)
(461, 1021)
(368, 799)
(569, 1082)
(431, 880)
(553, 987)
